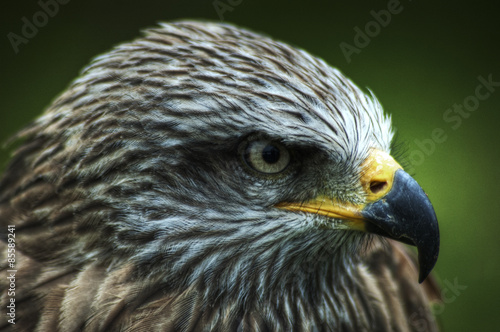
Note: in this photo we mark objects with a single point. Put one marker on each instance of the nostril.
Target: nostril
(376, 186)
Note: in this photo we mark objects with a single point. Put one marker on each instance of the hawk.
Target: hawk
(207, 178)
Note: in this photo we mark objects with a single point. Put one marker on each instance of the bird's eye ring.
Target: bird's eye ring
(266, 156)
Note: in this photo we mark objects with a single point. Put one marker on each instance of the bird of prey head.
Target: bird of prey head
(206, 178)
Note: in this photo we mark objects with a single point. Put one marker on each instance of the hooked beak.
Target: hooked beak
(396, 207)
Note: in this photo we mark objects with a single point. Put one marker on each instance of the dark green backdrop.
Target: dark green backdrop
(426, 60)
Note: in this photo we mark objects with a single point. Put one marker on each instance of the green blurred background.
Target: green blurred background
(425, 60)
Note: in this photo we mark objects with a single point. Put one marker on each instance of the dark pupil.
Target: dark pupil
(271, 154)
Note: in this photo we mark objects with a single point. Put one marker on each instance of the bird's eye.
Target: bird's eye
(266, 156)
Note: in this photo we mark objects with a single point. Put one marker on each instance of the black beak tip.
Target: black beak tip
(427, 258)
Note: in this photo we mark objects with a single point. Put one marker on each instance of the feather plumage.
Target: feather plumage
(133, 210)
